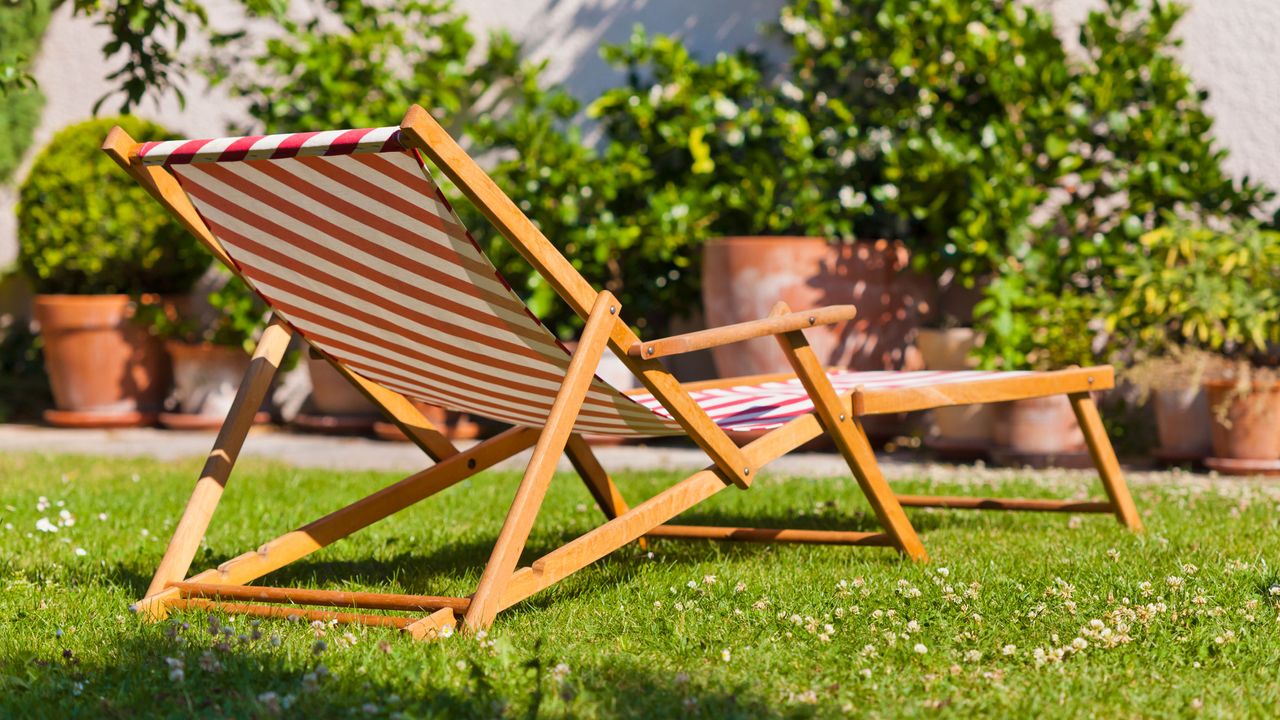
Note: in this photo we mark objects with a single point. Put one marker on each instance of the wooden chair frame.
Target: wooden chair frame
(503, 582)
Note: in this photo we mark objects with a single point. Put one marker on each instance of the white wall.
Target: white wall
(1232, 48)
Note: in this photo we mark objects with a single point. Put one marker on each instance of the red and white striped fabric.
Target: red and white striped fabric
(347, 236)
(763, 406)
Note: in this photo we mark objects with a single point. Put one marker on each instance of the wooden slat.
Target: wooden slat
(299, 543)
(291, 613)
(850, 438)
(991, 390)
(715, 337)
(333, 598)
(217, 467)
(402, 414)
(980, 503)
(1104, 458)
(598, 482)
(590, 547)
(486, 602)
(431, 626)
(420, 131)
(765, 535)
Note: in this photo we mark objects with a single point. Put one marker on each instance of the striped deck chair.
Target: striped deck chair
(350, 241)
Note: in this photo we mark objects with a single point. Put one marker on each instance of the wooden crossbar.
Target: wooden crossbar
(333, 598)
(293, 613)
(766, 535)
(980, 503)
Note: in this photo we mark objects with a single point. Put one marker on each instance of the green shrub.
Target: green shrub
(85, 227)
(996, 153)
(22, 24)
(1195, 286)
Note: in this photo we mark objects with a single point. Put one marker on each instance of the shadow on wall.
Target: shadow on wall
(570, 33)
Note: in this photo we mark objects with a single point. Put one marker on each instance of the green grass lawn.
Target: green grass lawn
(1018, 614)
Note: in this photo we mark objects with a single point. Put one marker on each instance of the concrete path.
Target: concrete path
(354, 453)
(351, 453)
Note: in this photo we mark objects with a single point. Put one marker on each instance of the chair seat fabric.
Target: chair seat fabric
(767, 405)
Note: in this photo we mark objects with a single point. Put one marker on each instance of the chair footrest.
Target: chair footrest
(294, 613)
(332, 598)
(1032, 504)
(824, 537)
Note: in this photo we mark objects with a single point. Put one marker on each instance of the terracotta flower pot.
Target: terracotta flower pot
(1039, 432)
(743, 277)
(965, 428)
(104, 370)
(206, 377)
(1181, 423)
(1044, 425)
(332, 394)
(1244, 426)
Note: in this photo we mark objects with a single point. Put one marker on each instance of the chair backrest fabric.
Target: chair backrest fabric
(347, 236)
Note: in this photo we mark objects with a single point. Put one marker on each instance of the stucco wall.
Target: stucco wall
(1232, 48)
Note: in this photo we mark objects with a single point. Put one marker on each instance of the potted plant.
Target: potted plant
(210, 344)
(1173, 384)
(95, 248)
(1201, 298)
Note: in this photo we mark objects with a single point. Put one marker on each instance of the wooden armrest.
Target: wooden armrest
(714, 337)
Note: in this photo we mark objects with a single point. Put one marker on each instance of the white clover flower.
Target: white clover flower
(920, 649)
(1009, 649)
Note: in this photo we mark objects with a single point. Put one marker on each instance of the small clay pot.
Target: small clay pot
(1180, 422)
(1043, 426)
(206, 377)
(1244, 425)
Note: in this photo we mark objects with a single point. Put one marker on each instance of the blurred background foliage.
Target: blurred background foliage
(1055, 177)
(22, 24)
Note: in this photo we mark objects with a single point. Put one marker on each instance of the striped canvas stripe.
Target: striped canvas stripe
(346, 235)
(362, 254)
(764, 406)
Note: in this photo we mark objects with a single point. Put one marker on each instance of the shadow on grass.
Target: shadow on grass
(170, 672)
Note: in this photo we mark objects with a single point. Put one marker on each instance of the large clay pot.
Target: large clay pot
(206, 377)
(1181, 423)
(104, 369)
(1245, 426)
(1043, 426)
(964, 428)
(743, 277)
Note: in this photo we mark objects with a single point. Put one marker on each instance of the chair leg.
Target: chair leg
(593, 474)
(487, 599)
(851, 439)
(217, 468)
(597, 480)
(1104, 458)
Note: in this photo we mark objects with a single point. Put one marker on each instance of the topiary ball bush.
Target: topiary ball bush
(86, 228)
